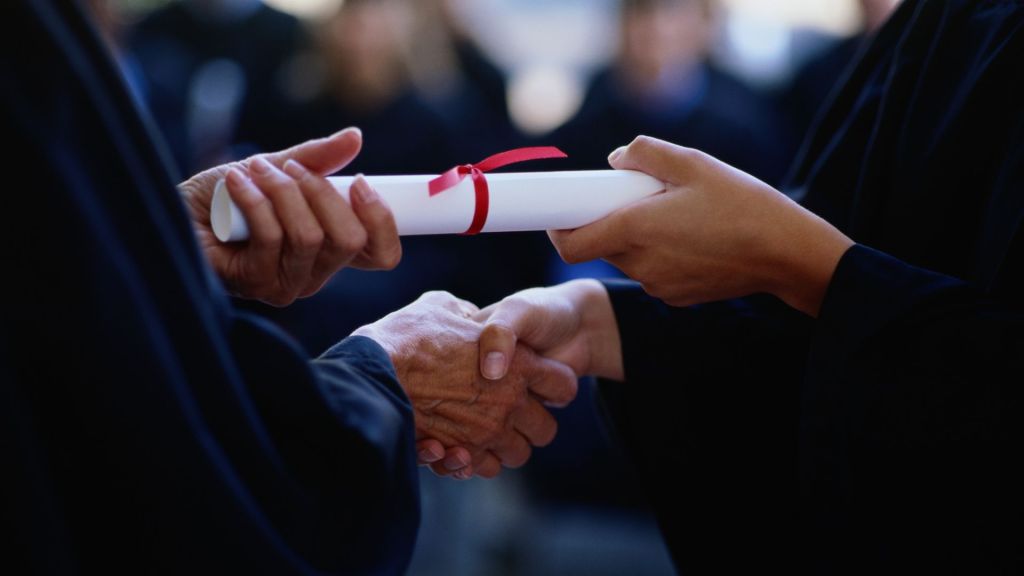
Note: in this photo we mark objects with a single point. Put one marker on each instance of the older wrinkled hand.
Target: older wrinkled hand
(302, 230)
(433, 344)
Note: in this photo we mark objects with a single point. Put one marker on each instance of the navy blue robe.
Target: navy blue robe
(147, 427)
(885, 436)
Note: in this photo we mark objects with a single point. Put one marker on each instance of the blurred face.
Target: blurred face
(364, 39)
(667, 35)
(876, 12)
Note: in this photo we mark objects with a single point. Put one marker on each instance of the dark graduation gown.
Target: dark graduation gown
(147, 427)
(886, 436)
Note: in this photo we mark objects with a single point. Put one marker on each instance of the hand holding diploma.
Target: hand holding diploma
(716, 233)
(302, 231)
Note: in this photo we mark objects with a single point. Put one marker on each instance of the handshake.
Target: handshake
(480, 381)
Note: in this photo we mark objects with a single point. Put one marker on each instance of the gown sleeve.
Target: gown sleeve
(882, 434)
(707, 413)
(913, 411)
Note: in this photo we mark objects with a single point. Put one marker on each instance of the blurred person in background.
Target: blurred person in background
(222, 70)
(662, 84)
(815, 80)
(365, 81)
(460, 81)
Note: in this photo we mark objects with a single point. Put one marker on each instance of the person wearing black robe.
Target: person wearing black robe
(146, 425)
(881, 431)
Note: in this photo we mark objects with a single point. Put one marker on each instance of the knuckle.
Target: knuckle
(641, 144)
(429, 295)
(353, 241)
(498, 330)
(274, 236)
(438, 296)
(310, 239)
(690, 158)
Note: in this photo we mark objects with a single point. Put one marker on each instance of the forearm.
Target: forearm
(318, 423)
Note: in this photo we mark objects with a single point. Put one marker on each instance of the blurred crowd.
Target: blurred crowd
(223, 79)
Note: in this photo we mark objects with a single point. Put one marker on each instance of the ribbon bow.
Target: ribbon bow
(453, 177)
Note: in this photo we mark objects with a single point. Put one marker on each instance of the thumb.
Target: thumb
(324, 155)
(665, 161)
(505, 323)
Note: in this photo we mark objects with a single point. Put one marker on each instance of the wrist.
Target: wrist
(371, 332)
(803, 273)
(599, 328)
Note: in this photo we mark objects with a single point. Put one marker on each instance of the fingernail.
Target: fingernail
(616, 153)
(354, 130)
(259, 165)
(494, 365)
(460, 462)
(462, 475)
(429, 455)
(295, 170)
(363, 191)
(235, 177)
(237, 183)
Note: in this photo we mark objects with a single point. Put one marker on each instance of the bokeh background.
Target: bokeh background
(434, 83)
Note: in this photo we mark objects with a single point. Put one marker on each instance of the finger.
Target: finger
(553, 382)
(265, 233)
(463, 473)
(535, 423)
(303, 235)
(513, 450)
(456, 459)
(344, 235)
(607, 237)
(324, 155)
(505, 324)
(383, 249)
(488, 467)
(662, 160)
(429, 451)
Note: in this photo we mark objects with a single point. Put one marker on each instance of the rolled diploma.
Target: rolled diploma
(518, 201)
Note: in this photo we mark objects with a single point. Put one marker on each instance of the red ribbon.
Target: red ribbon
(451, 178)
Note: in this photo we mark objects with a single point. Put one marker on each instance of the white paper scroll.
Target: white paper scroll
(518, 201)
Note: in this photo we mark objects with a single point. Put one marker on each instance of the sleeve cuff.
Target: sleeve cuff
(639, 317)
(871, 289)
